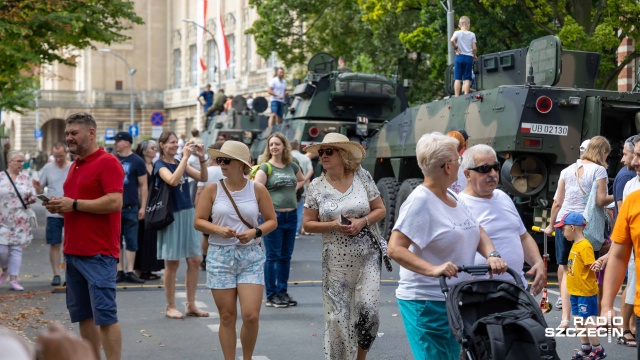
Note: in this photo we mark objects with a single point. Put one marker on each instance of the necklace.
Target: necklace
(334, 181)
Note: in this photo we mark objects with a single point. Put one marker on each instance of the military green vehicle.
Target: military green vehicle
(240, 123)
(533, 105)
(329, 100)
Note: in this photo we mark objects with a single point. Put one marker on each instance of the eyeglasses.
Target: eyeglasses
(448, 161)
(18, 161)
(226, 161)
(486, 168)
(328, 151)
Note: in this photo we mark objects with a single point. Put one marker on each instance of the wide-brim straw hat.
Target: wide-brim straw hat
(233, 150)
(339, 141)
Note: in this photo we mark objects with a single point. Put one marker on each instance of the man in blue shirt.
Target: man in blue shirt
(207, 95)
(626, 173)
(134, 200)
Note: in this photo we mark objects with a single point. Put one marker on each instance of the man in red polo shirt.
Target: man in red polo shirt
(91, 206)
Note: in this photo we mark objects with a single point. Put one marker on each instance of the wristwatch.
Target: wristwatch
(494, 254)
(258, 232)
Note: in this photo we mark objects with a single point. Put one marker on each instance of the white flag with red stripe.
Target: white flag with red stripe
(224, 53)
(201, 19)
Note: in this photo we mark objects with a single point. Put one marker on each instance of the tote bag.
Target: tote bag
(596, 219)
(159, 212)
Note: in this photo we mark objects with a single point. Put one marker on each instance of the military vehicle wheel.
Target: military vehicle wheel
(388, 188)
(406, 189)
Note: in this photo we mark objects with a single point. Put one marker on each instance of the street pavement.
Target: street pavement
(291, 333)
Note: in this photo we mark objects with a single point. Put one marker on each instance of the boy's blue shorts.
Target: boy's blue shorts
(462, 67)
(584, 306)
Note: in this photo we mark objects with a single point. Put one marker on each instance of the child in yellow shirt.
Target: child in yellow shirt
(581, 282)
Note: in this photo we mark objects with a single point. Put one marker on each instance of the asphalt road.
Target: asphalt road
(292, 333)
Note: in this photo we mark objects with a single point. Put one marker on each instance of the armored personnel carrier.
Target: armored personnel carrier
(241, 123)
(334, 100)
(533, 105)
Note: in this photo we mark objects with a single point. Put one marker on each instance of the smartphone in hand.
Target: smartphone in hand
(43, 198)
(344, 220)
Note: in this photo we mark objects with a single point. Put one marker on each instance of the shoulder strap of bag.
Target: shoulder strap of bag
(495, 330)
(235, 207)
(16, 189)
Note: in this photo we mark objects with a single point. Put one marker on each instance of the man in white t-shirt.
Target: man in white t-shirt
(277, 90)
(214, 175)
(307, 172)
(498, 216)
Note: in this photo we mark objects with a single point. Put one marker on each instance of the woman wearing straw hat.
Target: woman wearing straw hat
(341, 205)
(179, 240)
(235, 261)
(282, 177)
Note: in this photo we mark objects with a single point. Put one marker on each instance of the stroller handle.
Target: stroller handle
(478, 270)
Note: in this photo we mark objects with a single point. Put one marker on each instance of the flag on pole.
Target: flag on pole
(202, 18)
(224, 53)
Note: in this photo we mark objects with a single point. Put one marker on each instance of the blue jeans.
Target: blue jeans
(279, 247)
(300, 211)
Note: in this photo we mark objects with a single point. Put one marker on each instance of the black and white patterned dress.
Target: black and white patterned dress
(350, 268)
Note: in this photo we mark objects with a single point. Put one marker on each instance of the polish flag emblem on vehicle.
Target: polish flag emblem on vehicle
(526, 128)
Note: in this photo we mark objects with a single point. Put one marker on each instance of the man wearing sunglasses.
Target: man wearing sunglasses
(497, 214)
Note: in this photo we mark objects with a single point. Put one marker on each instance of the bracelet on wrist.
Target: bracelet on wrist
(367, 219)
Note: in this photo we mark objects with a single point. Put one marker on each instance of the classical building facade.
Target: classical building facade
(167, 79)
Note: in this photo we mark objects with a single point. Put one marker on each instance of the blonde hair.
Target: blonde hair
(348, 160)
(458, 136)
(464, 20)
(597, 151)
(433, 150)
(286, 154)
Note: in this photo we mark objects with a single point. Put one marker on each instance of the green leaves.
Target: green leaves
(34, 32)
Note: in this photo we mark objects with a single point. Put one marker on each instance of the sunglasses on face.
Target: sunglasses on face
(328, 151)
(485, 169)
(226, 161)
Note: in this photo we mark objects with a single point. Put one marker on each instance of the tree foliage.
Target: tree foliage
(35, 32)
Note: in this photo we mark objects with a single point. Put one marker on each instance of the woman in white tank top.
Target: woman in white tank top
(235, 260)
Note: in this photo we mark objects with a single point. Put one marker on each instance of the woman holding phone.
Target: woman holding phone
(180, 240)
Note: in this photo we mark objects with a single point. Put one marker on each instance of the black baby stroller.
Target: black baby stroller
(496, 320)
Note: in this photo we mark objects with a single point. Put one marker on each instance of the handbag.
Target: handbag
(379, 242)
(595, 216)
(159, 211)
(33, 220)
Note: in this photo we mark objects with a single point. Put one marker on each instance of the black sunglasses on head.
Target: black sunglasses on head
(328, 151)
(221, 160)
(486, 168)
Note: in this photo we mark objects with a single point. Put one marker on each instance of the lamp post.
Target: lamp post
(450, 25)
(194, 23)
(131, 73)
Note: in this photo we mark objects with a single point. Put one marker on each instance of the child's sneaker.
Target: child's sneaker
(582, 354)
(596, 354)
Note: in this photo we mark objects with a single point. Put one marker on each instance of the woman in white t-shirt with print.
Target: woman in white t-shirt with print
(431, 241)
(571, 196)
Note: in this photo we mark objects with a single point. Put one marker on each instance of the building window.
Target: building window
(232, 58)
(248, 39)
(193, 66)
(177, 68)
(173, 125)
(212, 63)
(119, 85)
(122, 126)
(272, 61)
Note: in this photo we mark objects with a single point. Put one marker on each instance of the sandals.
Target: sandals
(197, 312)
(623, 340)
(174, 314)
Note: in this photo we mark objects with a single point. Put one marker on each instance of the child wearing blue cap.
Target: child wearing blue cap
(581, 282)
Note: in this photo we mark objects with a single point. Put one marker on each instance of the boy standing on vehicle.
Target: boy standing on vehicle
(464, 44)
(581, 282)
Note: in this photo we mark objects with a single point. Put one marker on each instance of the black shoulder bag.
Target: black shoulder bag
(32, 215)
(159, 212)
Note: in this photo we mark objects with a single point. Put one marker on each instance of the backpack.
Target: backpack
(255, 168)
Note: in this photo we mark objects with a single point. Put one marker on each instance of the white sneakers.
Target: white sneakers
(15, 286)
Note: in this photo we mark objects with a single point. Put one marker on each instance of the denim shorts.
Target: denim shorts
(54, 230)
(277, 107)
(228, 266)
(91, 288)
(463, 66)
(130, 228)
(584, 306)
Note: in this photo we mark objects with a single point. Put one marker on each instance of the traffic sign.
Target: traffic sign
(133, 130)
(109, 134)
(156, 131)
(157, 118)
(37, 133)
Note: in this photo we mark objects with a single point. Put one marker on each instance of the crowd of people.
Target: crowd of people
(99, 202)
